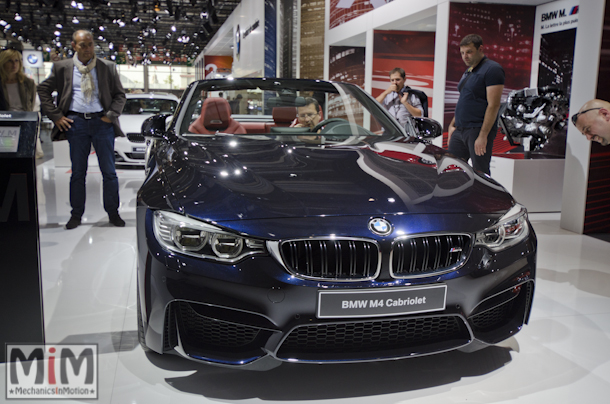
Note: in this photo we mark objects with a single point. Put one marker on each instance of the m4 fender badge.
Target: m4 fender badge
(380, 226)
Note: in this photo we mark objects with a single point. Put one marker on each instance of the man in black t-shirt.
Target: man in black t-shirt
(474, 126)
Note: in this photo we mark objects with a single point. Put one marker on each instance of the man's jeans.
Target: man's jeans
(100, 134)
(461, 145)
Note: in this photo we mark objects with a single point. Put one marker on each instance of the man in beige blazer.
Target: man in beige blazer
(90, 98)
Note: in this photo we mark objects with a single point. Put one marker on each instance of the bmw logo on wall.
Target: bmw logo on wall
(380, 226)
(32, 58)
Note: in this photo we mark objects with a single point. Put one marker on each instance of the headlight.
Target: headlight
(199, 239)
(511, 229)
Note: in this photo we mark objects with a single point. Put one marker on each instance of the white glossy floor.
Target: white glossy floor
(563, 356)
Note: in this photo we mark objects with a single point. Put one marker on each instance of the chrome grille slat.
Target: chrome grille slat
(426, 255)
(332, 259)
(413, 256)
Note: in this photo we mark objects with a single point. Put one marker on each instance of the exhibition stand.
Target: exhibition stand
(21, 311)
(535, 181)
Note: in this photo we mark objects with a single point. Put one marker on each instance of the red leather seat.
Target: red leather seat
(216, 117)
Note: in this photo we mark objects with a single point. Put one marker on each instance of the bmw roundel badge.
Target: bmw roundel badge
(380, 226)
(32, 59)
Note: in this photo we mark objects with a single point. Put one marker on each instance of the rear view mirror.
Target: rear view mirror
(427, 128)
(154, 127)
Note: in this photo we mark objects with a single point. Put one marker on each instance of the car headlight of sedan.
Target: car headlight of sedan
(511, 229)
(192, 237)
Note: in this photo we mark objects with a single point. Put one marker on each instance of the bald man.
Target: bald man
(593, 121)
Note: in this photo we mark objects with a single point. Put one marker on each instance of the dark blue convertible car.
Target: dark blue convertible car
(288, 220)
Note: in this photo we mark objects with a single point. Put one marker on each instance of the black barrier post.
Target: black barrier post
(21, 312)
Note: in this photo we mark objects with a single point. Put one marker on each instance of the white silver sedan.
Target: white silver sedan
(130, 150)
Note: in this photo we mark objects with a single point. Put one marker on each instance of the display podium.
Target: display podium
(21, 311)
(535, 181)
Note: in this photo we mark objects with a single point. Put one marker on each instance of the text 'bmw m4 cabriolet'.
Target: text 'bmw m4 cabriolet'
(286, 220)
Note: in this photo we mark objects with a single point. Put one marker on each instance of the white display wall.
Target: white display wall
(248, 22)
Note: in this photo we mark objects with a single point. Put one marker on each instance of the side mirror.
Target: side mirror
(427, 128)
(154, 127)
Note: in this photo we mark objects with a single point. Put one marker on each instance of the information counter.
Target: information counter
(21, 312)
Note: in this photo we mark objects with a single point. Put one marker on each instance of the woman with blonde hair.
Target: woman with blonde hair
(19, 90)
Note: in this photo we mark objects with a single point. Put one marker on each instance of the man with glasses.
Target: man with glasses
(473, 128)
(308, 115)
(593, 121)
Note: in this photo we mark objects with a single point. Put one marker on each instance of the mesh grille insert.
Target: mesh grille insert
(372, 336)
(206, 331)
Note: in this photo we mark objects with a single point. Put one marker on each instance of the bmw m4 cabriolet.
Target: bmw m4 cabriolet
(286, 220)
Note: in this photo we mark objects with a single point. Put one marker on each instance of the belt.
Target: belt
(87, 115)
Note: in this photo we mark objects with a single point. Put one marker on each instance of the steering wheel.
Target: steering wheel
(325, 122)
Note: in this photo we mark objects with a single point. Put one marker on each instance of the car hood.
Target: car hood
(233, 178)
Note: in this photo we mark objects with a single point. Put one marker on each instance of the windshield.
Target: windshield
(292, 110)
(137, 106)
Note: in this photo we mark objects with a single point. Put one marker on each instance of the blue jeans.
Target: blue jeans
(461, 145)
(100, 134)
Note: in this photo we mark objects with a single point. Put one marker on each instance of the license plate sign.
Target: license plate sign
(138, 149)
(376, 303)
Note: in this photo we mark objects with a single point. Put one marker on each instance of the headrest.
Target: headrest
(284, 114)
(216, 113)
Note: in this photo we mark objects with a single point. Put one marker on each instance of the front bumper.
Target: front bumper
(255, 315)
(129, 153)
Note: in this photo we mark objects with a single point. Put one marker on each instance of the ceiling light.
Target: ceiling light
(102, 28)
(57, 33)
(58, 25)
(110, 46)
(18, 17)
(174, 28)
(75, 20)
